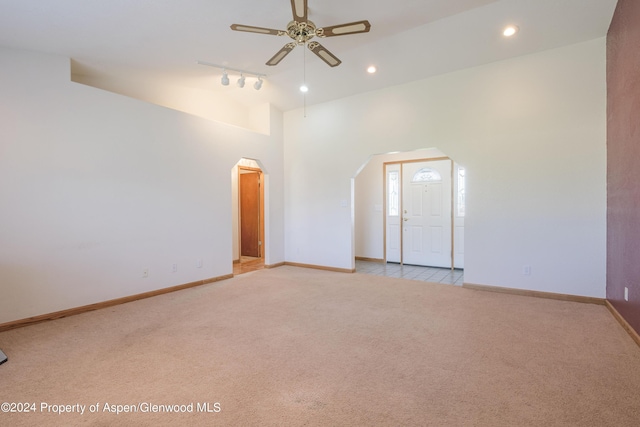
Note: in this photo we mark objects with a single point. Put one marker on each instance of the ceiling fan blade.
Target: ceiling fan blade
(275, 60)
(299, 8)
(259, 30)
(344, 29)
(324, 54)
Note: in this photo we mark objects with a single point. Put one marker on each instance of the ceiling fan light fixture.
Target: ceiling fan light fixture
(258, 84)
(225, 78)
(241, 81)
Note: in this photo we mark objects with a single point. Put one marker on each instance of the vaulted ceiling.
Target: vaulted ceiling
(162, 40)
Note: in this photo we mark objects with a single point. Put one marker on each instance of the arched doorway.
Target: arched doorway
(409, 209)
(248, 216)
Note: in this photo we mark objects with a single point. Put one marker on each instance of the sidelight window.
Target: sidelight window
(393, 198)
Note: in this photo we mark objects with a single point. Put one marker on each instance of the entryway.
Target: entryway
(249, 217)
(409, 210)
(423, 219)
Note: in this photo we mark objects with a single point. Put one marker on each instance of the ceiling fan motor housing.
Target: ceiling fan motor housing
(301, 32)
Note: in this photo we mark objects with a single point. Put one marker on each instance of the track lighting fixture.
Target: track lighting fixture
(242, 80)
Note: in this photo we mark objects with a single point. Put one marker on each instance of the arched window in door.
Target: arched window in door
(426, 175)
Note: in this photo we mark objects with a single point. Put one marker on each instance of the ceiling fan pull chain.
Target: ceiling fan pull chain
(304, 80)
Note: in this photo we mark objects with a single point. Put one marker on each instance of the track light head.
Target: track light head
(241, 81)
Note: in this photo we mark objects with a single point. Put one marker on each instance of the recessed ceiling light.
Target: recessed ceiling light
(304, 88)
(372, 69)
(510, 31)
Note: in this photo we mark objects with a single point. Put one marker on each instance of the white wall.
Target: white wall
(96, 187)
(530, 132)
(212, 105)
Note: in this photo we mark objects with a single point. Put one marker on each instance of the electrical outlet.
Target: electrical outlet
(199, 263)
(626, 293)
(526, 270)
(145, 272)
(174, 268)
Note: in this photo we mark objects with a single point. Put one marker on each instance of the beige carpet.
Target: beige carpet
(299, 347)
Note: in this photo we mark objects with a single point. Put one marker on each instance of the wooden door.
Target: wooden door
(250, 214)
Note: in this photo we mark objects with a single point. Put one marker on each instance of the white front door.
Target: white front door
(392, 214)
(426, 216)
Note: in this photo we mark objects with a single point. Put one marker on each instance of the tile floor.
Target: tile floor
(412, 272)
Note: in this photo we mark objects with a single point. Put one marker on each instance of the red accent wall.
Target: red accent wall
(623, 160)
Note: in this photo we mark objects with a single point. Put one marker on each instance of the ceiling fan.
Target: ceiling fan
(301, 30)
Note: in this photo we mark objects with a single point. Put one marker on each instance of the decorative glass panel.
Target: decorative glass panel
(426, 175)
(461, 192)
(394, 190)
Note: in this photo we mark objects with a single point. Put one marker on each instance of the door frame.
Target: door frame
(260, 210)
(401, 201)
